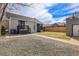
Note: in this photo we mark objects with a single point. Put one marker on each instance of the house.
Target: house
(72, 25)
(59, 24)
(18, 24)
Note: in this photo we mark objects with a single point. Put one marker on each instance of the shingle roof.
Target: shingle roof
(22, 17)
(16, 15)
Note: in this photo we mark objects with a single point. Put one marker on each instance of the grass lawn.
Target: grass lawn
(60, 35)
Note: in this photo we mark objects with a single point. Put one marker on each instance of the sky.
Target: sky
(49, 13)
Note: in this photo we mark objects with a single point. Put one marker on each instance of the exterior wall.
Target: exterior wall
(13, 23)
(69, 24)
(32, 25)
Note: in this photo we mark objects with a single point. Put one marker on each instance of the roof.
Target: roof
(76, 16)
(59, 24)
(23, 17)
(16, 15)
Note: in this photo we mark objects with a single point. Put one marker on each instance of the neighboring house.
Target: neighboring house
(18, 24)
(59, 24)
(72, 24)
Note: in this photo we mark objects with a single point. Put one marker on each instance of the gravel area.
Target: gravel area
(36, 46)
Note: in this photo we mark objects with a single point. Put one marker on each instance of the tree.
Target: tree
(5, 5)
(3, 11)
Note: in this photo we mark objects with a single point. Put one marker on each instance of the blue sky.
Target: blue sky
(49, 13)
(60, 10)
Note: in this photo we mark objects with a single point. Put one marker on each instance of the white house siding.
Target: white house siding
(13, 24)
(32, 25)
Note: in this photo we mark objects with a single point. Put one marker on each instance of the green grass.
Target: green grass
(61, 35)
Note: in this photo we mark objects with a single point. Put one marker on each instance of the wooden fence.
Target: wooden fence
(55, 28)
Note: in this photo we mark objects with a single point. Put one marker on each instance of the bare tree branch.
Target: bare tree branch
(3, 11)
(13, 7)
(26, 4)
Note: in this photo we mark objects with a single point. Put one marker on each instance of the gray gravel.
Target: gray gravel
(36, 46)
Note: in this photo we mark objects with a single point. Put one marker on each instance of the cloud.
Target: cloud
(49, 13)
(40, 12)
(71, 6)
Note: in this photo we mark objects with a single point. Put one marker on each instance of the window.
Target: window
(34, 27)
(8, 16)
(21, 24)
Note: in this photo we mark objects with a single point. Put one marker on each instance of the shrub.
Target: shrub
(3, 30)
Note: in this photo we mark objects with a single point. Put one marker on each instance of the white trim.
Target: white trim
(15, 36)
